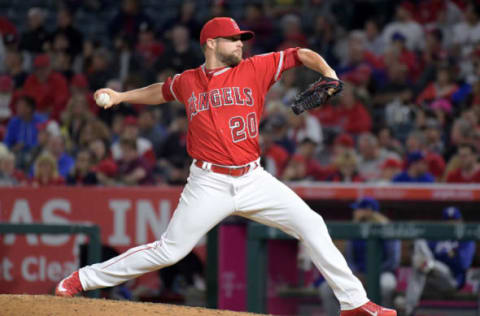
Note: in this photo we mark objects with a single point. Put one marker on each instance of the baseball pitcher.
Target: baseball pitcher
(224, 101)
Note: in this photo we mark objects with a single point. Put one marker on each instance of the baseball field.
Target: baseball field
(43, 305)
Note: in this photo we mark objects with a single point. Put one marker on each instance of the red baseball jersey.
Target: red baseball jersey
(224, 109)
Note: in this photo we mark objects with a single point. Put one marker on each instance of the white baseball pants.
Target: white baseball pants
(210, 197)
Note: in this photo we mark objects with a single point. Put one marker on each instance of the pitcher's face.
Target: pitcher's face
(228, 50)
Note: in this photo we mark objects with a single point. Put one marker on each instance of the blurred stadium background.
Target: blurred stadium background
(405, 132)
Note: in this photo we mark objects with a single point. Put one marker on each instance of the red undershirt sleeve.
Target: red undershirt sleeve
(291, 58)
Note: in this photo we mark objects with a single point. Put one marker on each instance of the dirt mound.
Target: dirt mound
(43, 305)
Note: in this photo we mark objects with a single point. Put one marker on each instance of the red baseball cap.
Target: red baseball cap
(42, 60)
(223, 27)
(344, 140)
(79, 81)
(130, 120)
(391, 163)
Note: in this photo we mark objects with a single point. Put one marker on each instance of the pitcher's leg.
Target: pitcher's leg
(280, 207)
(201, 207)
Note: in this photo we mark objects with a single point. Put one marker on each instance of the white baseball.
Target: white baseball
(103, 99)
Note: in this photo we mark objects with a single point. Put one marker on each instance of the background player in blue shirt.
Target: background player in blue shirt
(439, 265)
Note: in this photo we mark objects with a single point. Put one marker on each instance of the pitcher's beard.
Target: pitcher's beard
(229, 60)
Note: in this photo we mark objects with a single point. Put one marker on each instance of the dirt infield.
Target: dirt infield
(43, 305)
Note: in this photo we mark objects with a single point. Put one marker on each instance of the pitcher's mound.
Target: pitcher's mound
(43, 305)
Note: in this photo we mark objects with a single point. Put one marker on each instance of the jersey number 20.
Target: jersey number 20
(240, 127)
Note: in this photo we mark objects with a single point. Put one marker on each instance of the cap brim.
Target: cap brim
(246, 35)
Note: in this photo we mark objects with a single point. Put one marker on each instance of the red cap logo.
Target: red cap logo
(223, 27)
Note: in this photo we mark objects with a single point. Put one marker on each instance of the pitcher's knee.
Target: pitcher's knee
(313, 227)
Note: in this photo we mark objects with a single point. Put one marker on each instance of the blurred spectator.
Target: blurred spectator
(282, 93)
(439, 266)
(356, 62)
(124, 60)
(45, 129)
(374, 42)
(399, 115)
(416, 141)
(323, 38)
(127, 21)
(366, 210)
(256, 21)
(416, 171)
(433, 136)
(49, 88)
(278, 124)
(79, 87)
(91, 130)
(14, 68)
(22, 129)
(74, 118)
(464, 128)
(346, 168)
(398, 52)
(396, 85)
(6, 90)
(9, 175)
(441, 111)
(132, 169)
(186, 17)
(465, 35)
(274, 156)
(342, 143)
(181, 53)
(304, 126)
(351, 114)
(467, 170)
(99, 72)
(292, 33)
(35, 38)
(151, 129)
(303, 166)
(7, 27)
(388, 143)
(131, 131)
(65, 28)
(56, 147)
(405, 24)
(46, 172)
(62, 63)
(389, 169)
(148, 48)
(103, 165)
(174, 160)
(435, 51)
(371, 157)
(81, 173)
(443, 88)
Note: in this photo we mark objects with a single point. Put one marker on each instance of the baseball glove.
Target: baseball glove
(317, 94)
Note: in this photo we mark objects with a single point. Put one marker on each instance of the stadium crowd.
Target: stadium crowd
(409, 112)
